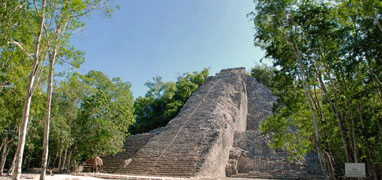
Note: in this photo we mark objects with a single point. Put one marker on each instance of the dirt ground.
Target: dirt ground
(53, 177)
(97, 176)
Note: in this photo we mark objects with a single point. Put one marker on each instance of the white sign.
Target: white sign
(355, 170)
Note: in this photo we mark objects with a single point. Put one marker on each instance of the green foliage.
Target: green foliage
(91, 115)
(105, 125)
(328, 54)
(164, 100)
(263, 74)
(104, 116)
(94, 115)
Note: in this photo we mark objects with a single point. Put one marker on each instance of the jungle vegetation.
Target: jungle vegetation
(75, 116)
(327, 75)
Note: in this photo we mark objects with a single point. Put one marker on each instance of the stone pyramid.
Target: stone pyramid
(214, 135)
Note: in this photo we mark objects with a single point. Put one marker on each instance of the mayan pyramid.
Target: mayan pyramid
(214, 135)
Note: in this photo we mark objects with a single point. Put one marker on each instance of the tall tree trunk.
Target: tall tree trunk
(316, 129)
(26, 162)
(309, 96)
(337, 115)
(59, 161)
(354, 137)
(379, 23)
(28, 99)
(47, 114)
(292, 43)
(55, 160)
(331, 161)
(95, 163)
(4, 154)
(372, 167)
(2, 144)
(49, 161)
(12, 167)
(331, 166)
(379, 124)
(64, 161)
(69, 159)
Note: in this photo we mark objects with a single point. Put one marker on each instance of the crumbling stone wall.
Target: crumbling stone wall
(251, 156)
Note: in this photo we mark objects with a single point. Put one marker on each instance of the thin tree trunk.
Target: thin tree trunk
(331, 167)
(332, 162)
(315, 122)
(26, 162)
(326, 152)
(55, 160)
(75, 164)
(95, 163)
(46, 125)
(68, 163)
(379, 126)
(28, 99)
(49, 161)
(337, 115)
(355, 149)
(12, 167)
(2, 144)
(4, 154)
(64, 161)
(308, 94)
(47, 114)
(310, 99)
(379, 23)
(372, 166)
(59, 161)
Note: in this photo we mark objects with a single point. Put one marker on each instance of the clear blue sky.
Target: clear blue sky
(148, 38)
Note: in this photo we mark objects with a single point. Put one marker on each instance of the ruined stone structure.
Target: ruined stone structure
(214, 135)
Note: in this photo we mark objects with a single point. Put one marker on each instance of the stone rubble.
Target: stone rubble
(251, 155)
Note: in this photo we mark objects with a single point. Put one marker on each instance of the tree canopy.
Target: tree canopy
(164, 100)
(328, 79)
(33, 33)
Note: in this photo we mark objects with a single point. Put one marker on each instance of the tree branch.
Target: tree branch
(379, 21)
(21, 47)
(6, 86)
(379, 24)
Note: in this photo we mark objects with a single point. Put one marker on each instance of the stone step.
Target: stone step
(184, 146)
(131, 146)
(181, 148)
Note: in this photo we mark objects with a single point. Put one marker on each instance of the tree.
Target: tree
(264, 74)
(64, 20)
(28, 98)
(44, 28)
(331, 51)
(68, 96)
(104, 117)
(164, 100)
(16, 43)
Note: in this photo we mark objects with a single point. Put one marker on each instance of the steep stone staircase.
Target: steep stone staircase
(215, 134)
(185, 145)
(131, 146)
